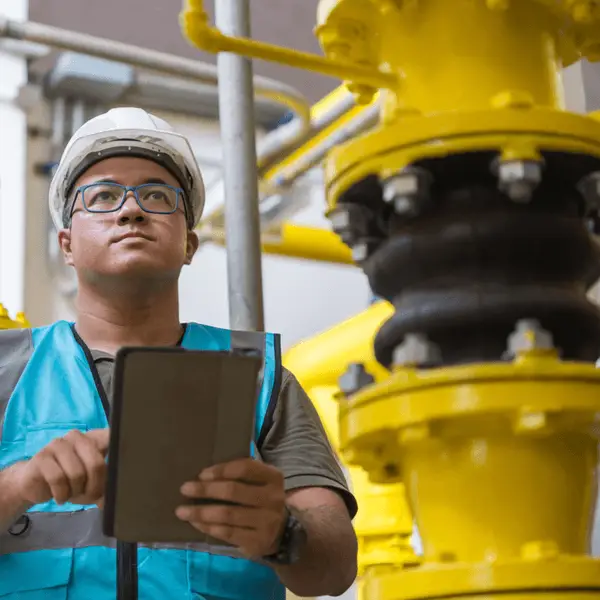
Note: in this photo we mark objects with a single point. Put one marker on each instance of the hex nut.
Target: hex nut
(354, 379)
(416, 350)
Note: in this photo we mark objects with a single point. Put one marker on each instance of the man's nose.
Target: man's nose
(131, 211)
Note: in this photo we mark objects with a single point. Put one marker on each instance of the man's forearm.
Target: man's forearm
(11, 505)
(327, 566)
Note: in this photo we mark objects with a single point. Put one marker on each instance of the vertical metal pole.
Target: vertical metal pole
(242, 225)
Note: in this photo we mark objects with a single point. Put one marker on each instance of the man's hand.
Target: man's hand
(255, 525)
(71, 468)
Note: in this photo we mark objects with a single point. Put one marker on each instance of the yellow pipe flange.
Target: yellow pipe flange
(476, 75)
(575, 578)
(504, 131)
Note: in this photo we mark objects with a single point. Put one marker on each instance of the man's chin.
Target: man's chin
(136, 269)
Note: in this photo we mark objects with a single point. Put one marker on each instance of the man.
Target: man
(125, 198)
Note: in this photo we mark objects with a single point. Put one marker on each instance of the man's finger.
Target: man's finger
(216, 514)
(95, 468)
(230, 491)
(71, 465)
(245, 469)
(53, 475)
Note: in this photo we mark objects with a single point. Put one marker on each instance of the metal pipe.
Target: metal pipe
(280, 143)
(324, 113)
(365, 120)
(160, 62)
(242, 224)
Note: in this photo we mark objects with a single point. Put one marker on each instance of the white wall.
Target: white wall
(13, 75)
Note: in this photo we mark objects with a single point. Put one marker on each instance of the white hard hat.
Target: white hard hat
(126, 132)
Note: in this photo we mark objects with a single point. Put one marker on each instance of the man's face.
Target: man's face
(128, 242)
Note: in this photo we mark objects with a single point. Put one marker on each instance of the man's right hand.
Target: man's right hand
(69, 469)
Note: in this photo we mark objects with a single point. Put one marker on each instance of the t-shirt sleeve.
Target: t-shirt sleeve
(298, 446)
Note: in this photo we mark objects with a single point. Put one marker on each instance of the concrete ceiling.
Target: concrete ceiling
(154, 24)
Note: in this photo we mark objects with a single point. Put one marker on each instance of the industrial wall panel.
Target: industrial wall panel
(155, 25)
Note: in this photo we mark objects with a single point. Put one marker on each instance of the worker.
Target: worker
(125, 199)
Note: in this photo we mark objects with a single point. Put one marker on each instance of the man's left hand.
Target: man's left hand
(256, 521)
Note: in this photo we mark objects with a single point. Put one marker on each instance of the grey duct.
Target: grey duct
(163, 63)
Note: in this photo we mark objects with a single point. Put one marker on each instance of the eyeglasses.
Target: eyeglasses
(105, 197)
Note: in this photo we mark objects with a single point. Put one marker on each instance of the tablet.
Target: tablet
(174, 413)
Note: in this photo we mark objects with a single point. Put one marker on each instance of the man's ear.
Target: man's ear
(191, 246)
(64, 241)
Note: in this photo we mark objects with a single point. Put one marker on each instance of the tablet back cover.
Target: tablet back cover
(175, 412)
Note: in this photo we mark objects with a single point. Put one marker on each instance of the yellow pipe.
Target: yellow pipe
(321, 359)
(310, 243)
(383, 524)
(196, 28)
(296, 241)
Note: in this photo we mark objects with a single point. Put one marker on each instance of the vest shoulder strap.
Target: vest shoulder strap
(268, 345)
(248, 340)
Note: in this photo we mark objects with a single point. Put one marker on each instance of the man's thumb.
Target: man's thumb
(100, 437)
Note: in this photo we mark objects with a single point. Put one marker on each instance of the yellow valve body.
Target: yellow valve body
(498, 460)
(499, 463)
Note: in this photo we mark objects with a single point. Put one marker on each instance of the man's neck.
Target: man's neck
(109, 322)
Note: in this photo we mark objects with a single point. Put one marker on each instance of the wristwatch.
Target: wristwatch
(291, 542)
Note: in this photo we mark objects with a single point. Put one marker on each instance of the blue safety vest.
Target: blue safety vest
(58, 552)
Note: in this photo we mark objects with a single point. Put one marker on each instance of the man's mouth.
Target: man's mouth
(132, 235)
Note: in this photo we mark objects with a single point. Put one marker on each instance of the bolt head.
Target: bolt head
(416, 350)
(401, 185)
(354, 379)
(340, 220)
(405, 205)
(518, 178)
(520, 170)
(360, 252)
(529, 335)
(590, 190)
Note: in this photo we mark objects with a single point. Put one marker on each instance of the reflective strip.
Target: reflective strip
(252, 340)
(81, 529)
(16, 348)
(248, 340)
